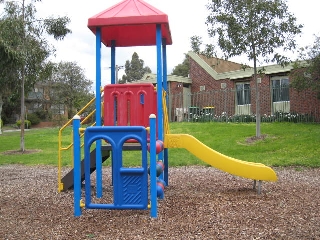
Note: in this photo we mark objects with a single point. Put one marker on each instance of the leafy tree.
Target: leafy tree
(69, 86)
(24, 50)
(196, 42)
(306, 73)
(8, 58)
(183, 68)
(134, 69)
(255, 28)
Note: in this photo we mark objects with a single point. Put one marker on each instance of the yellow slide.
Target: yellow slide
(255, 171)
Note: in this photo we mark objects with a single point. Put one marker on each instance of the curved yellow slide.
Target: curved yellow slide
(255, 171)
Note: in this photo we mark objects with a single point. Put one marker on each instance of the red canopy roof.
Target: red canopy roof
(131, 23)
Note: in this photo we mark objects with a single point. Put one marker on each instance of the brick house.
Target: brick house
(179, 90)
(232, 91)
(41, 98)
(239, 85)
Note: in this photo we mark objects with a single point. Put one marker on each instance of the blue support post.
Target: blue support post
(98, 113)
(159, 87)
(165, 173)
(77, 166)
(153, 174)
(113, 81)
(166, 166)
(164, 64)
(113, 62)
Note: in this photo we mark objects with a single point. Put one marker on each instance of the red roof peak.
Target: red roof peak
(131, 23)
(131, 8)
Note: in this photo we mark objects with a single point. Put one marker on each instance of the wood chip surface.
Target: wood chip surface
(199, 203)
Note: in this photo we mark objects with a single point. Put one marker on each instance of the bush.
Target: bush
(27, 124)
(34, 119)
(42, 114)
(1, 123)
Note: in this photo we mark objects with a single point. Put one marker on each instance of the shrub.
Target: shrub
(1, 123)
(27, 123)
(34, 119)
(42, 114)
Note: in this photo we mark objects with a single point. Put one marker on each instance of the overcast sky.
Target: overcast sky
(186, 18)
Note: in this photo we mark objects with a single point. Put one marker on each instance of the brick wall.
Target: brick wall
(224, 99)
(221, 101)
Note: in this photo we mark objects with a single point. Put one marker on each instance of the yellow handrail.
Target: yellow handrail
(70, 145)
(165, 112)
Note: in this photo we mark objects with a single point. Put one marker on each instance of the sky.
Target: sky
(186, 19)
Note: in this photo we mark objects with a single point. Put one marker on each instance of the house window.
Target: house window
(57, 109)
(243, 93)
(280, 89)
(202, 88)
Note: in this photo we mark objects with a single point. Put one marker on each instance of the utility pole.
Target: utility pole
(117, 72)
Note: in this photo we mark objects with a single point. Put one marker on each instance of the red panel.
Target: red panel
(135, 103)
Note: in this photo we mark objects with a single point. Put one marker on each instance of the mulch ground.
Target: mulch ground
(199, 203)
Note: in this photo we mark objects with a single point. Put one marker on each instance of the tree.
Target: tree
(26, 49)
(69, 86)
(183, 68)
(255, 28)
(134, 69)
(306, 73)
(196, 43)
(8, 59)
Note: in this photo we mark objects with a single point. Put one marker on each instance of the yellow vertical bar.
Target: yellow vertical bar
(60, 185)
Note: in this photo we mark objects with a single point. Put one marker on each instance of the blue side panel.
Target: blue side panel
(130, 185)
(132, 188)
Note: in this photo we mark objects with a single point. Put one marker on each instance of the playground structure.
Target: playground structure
(135, 118)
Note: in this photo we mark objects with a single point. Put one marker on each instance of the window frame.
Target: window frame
(280, 92)
(244, 100)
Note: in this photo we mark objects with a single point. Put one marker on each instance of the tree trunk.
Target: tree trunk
(258, 119)
(1, 103)
(22, 117)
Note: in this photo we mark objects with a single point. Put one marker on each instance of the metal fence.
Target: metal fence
(226, 105)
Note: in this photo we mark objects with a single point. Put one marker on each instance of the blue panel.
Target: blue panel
(130, 185)
(132, 189)
(141, 98)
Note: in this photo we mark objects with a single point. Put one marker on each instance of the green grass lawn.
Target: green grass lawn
(285, 144)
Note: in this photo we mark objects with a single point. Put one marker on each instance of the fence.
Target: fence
(239, 105)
